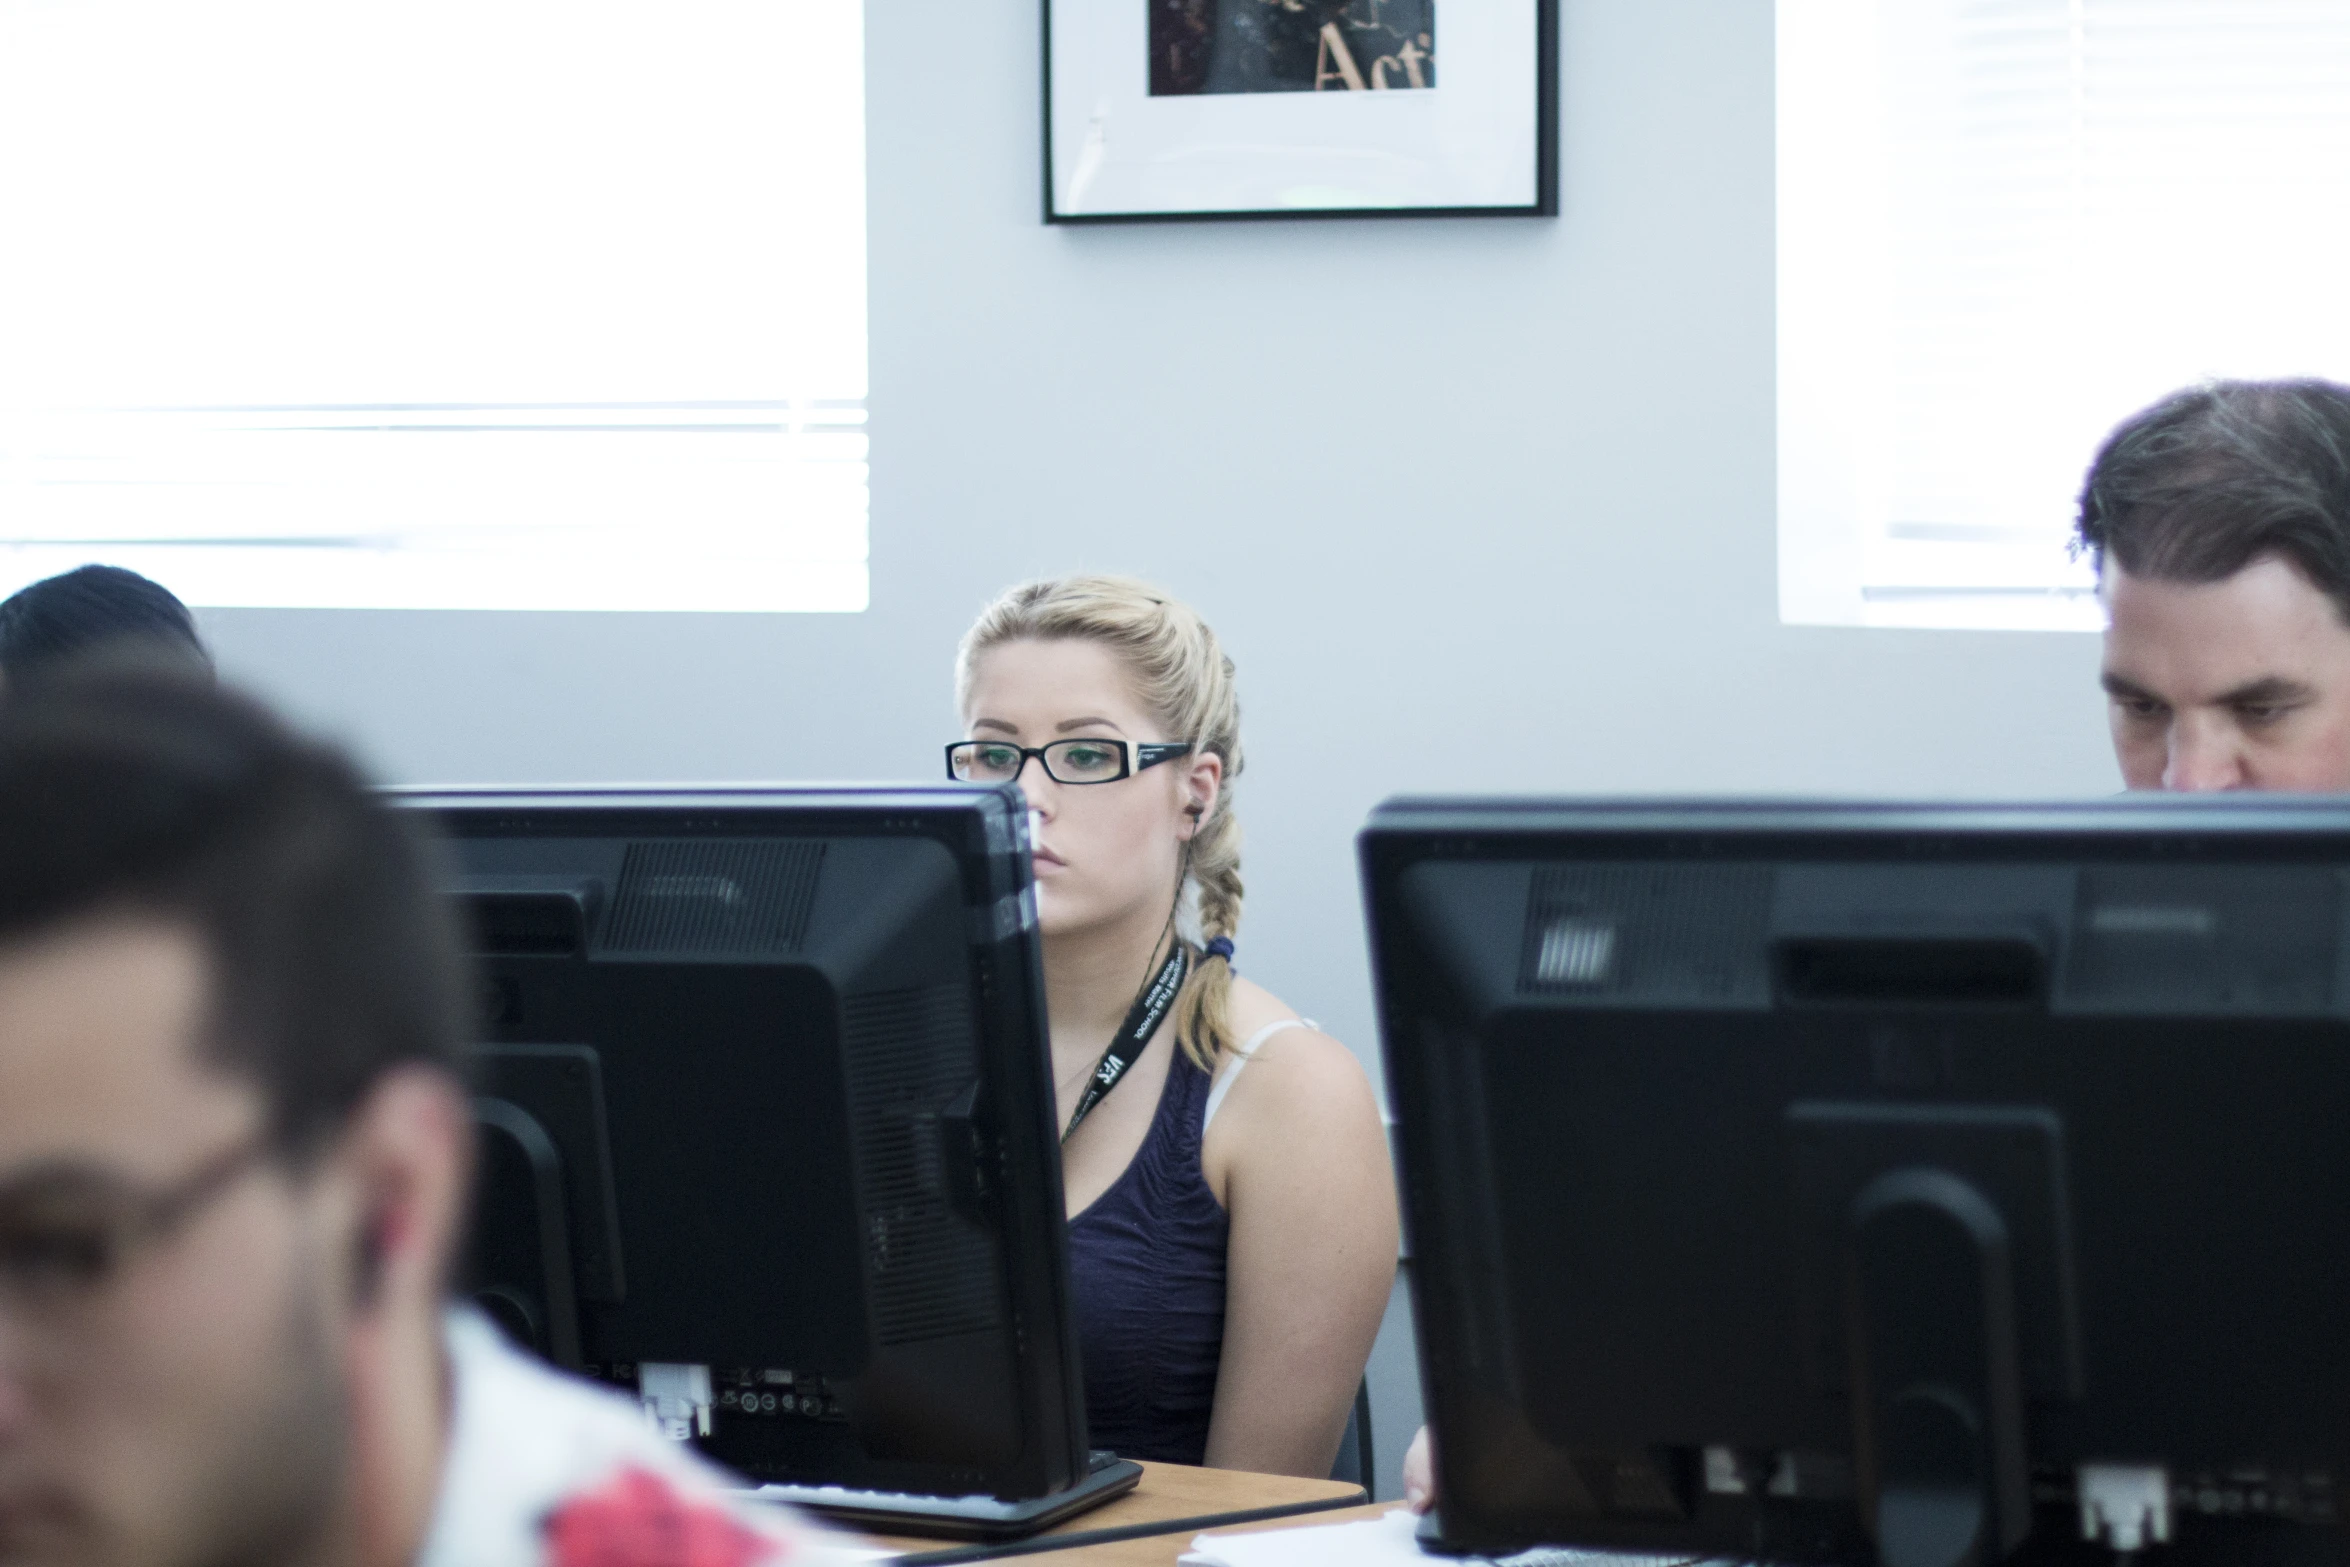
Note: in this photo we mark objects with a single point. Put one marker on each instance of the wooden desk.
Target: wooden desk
(1163, 1550)
(1186, 1499)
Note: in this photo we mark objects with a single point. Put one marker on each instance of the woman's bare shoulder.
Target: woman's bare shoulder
(1291, 1070)
(1253, 1007)
(1300, 1110)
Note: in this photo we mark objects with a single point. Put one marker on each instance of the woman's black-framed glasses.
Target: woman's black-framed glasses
(1080, 761)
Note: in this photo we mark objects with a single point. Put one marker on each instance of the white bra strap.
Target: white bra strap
(1240, 1054)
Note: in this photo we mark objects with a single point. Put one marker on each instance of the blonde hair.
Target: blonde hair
(1186, 682)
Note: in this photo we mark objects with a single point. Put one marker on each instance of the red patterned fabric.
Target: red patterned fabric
(638, 1519)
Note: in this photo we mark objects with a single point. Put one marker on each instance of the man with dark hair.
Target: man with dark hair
(234, 1148)
(90, 608)
(2219, 520)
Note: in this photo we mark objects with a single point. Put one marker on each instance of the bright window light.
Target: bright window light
(2005, 225)
(436, 304)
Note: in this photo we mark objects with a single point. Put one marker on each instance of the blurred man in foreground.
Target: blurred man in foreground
(2219, 520)
(234, 1145)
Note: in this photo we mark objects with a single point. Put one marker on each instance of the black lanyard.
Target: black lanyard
(1142, 1021)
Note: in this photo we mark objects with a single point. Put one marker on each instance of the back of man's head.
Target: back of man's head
(89, 609)
(149, 792)
(2217, 476)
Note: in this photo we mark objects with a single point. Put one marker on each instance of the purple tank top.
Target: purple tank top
(1146, 1264)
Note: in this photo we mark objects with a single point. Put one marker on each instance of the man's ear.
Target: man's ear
(398, 1176)
(1203, 785)
(408, 1154)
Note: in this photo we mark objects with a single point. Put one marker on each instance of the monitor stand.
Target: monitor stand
(1941, 1299)
(1107, 1476)
(1937, 1389)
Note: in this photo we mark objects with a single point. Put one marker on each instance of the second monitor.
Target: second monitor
(1844, 1182)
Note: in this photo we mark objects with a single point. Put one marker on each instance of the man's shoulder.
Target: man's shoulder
(545, 1470)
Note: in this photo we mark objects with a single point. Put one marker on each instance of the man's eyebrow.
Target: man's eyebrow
(2125, 688)
(55, 1177)
(2268, 691)
(1067, 724)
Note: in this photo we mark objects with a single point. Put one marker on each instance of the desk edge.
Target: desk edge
(1080, 1538)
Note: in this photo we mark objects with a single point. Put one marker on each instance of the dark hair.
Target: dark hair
(149, 791)
(2210, 479)
(89, 607)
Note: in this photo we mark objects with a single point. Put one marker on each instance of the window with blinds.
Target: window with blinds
(441, 304)
(2005, 225)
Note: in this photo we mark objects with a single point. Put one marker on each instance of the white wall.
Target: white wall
(1478, 504)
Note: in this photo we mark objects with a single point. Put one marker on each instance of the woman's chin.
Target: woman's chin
(1053, 915)
(1059, 915)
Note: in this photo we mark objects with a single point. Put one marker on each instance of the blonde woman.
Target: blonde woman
(1232, 1216)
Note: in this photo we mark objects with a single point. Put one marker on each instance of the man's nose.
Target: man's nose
(2204, 758)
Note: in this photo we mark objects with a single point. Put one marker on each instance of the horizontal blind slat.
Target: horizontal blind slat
(589, 334)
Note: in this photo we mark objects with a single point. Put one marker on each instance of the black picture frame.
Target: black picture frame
(1545, 131)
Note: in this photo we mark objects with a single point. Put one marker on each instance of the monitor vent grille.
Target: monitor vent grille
(2243, 940)
(1661, 935)
(911, 1055)
(716, 896)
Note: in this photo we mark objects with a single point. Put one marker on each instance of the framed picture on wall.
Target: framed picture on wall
(1173, 109)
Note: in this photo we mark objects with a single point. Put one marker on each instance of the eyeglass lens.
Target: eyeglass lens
(64, 1235)
(1066, 761)
(55, 1252)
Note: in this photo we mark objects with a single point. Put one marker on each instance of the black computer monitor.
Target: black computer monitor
(768, 1137)
(1838, 1182)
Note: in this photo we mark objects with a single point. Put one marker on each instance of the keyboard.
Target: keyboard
(1430, 1533)
(979, 1517)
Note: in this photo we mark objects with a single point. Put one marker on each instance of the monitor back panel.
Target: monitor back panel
(787, 1052)
(1644, 1060)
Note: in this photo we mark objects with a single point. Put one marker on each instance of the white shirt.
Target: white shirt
(545, 1470)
